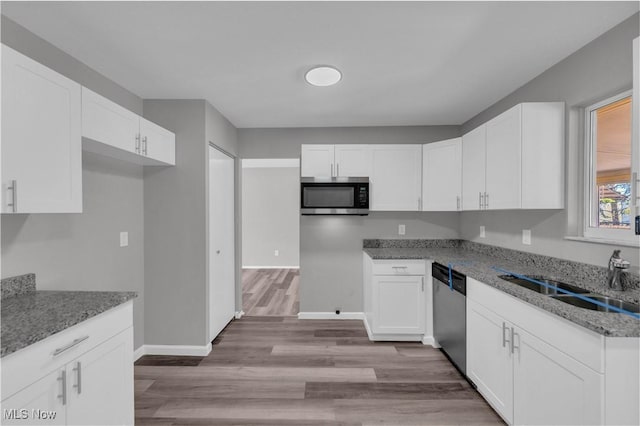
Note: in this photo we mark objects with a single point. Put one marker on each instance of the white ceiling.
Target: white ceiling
(403, 63)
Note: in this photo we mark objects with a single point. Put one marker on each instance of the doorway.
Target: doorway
(270, 236)
(221, 240)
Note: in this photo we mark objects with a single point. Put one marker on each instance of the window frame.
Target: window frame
(590, 208)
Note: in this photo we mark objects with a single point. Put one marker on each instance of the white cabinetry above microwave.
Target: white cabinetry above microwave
(326, 161)
(109, 129)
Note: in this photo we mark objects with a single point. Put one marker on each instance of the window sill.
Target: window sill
(605, 241)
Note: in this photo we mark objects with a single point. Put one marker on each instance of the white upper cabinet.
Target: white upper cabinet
(157, 142)
(516, 160)
(41, 138)
(107, 122)
(317, 161)
(396, 177)
(352, 161)
(109, 129)
(474, 168)
(327, 161)
(543, 155)
(442, 175)
(503, 155)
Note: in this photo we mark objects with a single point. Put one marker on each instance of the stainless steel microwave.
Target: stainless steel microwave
(346, 195)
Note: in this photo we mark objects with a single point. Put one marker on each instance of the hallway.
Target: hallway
(270, 292)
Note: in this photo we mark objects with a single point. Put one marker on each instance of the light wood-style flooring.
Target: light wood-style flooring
(285, 371)
(270, 292)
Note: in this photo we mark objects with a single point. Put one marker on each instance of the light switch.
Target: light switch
(526, 236)
(124, 239)
(483, 234)
(401, 229)
(276, 252)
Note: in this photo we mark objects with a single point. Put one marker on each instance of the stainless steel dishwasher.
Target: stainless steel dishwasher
(450, 314)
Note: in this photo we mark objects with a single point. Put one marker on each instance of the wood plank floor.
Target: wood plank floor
(285, 371)
(270, 292)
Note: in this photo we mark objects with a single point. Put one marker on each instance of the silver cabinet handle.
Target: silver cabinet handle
(504, 337)
(458, 202)
(63, 380)
(78, 370)
(144, 145)
(513, 346)
(331, 169)
(137, 143)
(486, 200)
(70, 345)
(14, 196)
(419, 203)
(422, 278)
(337, 169)
(480, 200)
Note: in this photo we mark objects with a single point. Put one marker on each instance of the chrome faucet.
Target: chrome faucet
(616, 266)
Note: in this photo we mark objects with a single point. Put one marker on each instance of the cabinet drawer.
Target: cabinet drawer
(27, 365)
(399, 267)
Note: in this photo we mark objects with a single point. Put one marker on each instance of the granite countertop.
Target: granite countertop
(479, 262)
(33, 315)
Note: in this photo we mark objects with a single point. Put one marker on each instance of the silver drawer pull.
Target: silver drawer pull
(400, 267)
(63, 382)
(14, 196)
(70, 345)
(504, 337)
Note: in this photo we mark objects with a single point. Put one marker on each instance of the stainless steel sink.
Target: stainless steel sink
(621, 304)
(522, 282)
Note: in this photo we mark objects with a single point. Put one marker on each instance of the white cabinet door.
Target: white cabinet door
(398, 304)
(396, 177)
(317, 161)
(473, 168)
(352, 161)
(157, 143)
(553, 388)
(100, 384)
(41, 138)
(489, 362)
(503, 155)
(106, 122)
(442, 175)
(41, 403)
(543, 155)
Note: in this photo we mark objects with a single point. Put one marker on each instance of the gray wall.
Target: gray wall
(81, 251)
(331, 247)
(598, 70)
(176, 223)
(270, 216)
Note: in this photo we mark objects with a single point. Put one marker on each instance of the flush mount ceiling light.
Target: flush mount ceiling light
(323, 76)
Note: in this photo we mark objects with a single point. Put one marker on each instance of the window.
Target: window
(609, 169)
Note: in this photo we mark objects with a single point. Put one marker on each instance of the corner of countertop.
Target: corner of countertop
(18, 285)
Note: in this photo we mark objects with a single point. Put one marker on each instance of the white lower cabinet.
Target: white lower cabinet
(395, 299)
(524, 377)
(80, 376)
(489, 361)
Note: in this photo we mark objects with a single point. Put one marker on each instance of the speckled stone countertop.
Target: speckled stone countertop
(34, 315)
(480, 261)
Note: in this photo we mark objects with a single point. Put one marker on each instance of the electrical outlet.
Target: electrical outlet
(401, 229)
(483, 234)
(526, 236)
(276, 252)
(124, 239)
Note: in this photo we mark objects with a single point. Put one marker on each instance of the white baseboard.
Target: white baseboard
(429, 340)
(331, 315)
(239, 314)
(271, 267)
(175, 350)
(366, 326)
